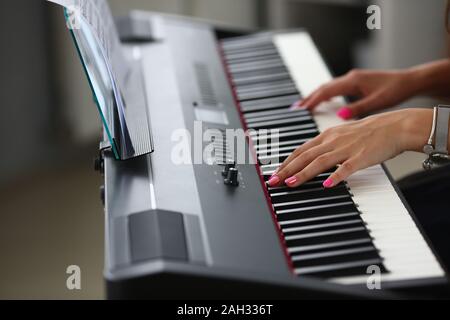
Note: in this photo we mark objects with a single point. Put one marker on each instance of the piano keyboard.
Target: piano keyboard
(329, 233)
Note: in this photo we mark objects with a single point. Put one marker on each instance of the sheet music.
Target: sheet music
(98, 16)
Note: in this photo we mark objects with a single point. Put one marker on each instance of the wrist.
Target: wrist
(416, 129)
(428, 78)
(419, 80)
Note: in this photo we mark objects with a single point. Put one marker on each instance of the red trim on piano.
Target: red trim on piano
(257, 167)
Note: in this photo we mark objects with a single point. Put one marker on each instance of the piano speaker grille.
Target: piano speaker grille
(208, 96)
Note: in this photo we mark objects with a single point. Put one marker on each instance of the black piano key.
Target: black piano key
(307, 186)
(245, 57)
(322, 200)
(273, 158)
(288, 196)
(257, 89)
(261, 61)
(263, 92)
(332, 217)
(281, 116)
(312, 207)
(284, 134)
(254, 68)
(247, 50)
(342, 257)
(289, 226)
(248, 57)
(241, 44)
(275, 148)
(341, 235)
(264, 152)
(320, 178)
(292, 230)
(256, 73)
(261, 79)
(333, 253)
(323, 247)
(322, 230)
(242, 47)
(266, 94)
(296, 120)
(270, 113)
(340, 209)
(269, 103)
(267, 83)
(285, 111)
(251, 56)
(265, 142)
(283, 188)
(340, 269)
(255, 65)
(259, 145)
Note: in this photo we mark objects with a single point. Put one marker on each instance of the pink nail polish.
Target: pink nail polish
(328, 183)
(274, 180)
(345, 113)
(291, 181)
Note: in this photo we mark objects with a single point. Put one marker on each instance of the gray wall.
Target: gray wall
(24, 87)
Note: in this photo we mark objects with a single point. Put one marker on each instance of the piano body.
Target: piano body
(177, 231)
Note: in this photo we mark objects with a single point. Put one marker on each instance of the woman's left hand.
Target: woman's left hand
(355, 146)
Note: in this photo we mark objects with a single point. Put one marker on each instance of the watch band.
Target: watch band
(441, 140)
(438, 154)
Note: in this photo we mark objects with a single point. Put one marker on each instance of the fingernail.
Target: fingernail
(295, 106)
(344, 113)
(328, 183)
(274, 180)
(291, 181)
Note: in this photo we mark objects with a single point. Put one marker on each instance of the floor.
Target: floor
(48, 222)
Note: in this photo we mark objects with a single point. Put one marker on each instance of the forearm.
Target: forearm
(431, 78)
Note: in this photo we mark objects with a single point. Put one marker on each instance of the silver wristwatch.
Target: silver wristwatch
(437, 145)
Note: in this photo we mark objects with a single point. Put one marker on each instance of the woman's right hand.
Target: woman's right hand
(375, 89)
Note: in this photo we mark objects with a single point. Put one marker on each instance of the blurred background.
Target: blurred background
(50, 212)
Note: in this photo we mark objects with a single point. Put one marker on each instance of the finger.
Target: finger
(316, 167)
(300, 103)
(339, 87)
(303, 148)
(304, 160)
(359, 107)
(305, 102)
(344, 171)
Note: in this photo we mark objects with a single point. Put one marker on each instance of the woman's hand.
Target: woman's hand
(355, 146)
(376, 90)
